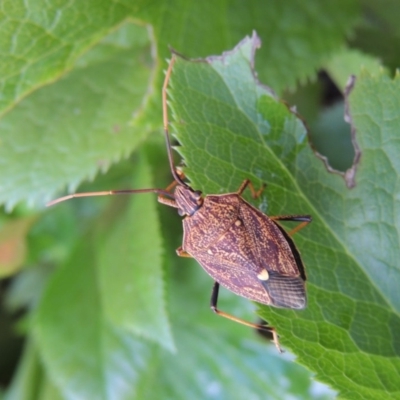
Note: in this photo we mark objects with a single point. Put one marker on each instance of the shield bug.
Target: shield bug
(241, 248)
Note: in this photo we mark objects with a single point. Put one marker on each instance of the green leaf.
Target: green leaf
(231, 128)
(27, 379)
(31, 380)
(42, 39)
(363, 263)
(96, 304)
(82, 351)
(66, 132)
(371, 230)
(347, 62)
(379, 32)
(131, 277)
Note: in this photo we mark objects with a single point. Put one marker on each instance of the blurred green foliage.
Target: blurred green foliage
(106, 308)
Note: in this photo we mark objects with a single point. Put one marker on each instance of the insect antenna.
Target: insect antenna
(161, 192)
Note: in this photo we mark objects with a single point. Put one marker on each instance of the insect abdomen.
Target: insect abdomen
(235, 243)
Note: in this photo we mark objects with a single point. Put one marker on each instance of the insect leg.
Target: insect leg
(167, 201)
(269, 329)
(182, 253)
(254, 193)
(304, 219)
(171, 186)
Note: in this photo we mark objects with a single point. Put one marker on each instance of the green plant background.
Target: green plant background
(109, 310)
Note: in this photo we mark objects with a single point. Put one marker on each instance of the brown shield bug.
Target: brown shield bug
(241, 248)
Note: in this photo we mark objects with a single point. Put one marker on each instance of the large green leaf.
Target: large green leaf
(366, 313)
(31, 380)
(96, 304)
(379, 33)
(131, 277)
(66, 132)
(40, 40)
(232, 128)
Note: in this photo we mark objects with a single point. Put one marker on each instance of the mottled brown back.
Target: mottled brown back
(234, 242)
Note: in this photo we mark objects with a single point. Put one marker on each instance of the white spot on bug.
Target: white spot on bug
(263, 275)
(209, 251)
(238, 222)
